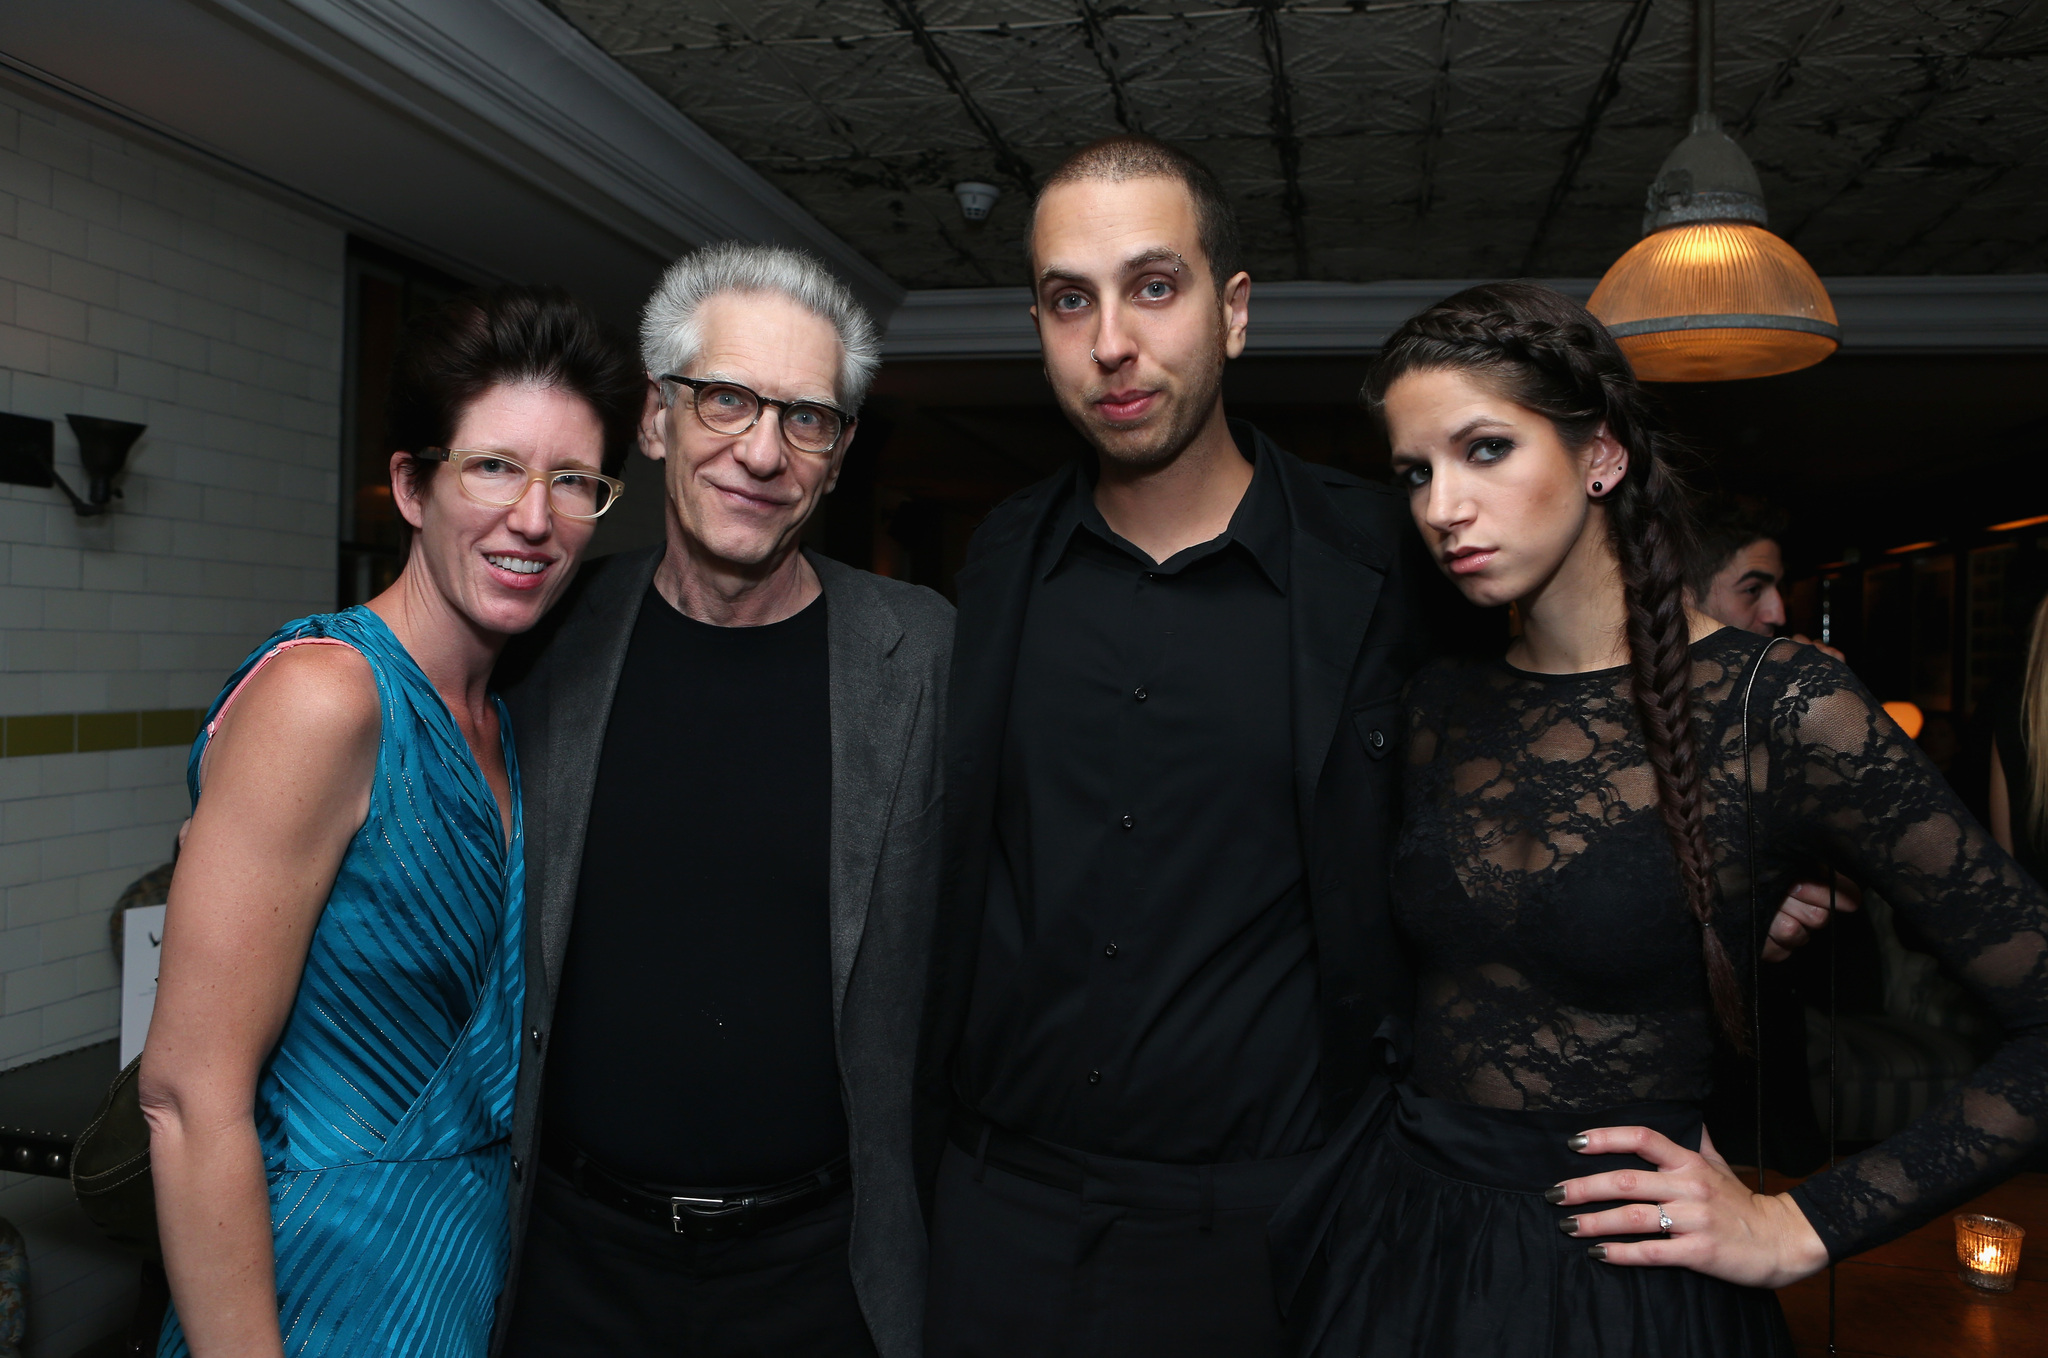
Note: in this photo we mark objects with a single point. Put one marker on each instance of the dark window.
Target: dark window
(385, 290)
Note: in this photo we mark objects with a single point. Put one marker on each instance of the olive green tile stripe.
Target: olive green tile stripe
(69, 732)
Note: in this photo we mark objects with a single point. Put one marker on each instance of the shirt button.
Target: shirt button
(1095, 1077)
(1139, 693)
(1127, 822)
(1110, 951)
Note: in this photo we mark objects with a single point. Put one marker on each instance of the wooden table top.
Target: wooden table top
(1904, 1300)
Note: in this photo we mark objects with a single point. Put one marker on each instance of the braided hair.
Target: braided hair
(1546, 353)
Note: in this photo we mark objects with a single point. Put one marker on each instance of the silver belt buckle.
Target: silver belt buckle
(702, 1208)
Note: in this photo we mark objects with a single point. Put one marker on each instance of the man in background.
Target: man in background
(1740, 566)
(1739, 574)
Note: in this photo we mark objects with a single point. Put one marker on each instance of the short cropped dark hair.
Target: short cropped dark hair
(1727, 524)
(1130, 156)
(509, 335)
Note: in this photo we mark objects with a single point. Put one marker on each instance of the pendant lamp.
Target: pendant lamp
(1708, 294)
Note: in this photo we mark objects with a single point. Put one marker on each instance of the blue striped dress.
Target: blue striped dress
(385, 1111)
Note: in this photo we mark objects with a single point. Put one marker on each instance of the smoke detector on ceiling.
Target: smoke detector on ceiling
(976, 199)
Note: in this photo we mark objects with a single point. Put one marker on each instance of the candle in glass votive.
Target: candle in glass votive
(1988, 1252)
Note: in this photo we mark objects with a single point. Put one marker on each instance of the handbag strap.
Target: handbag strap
(1756, 1010)
(1748, 687)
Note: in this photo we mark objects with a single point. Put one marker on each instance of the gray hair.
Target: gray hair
(671, 337)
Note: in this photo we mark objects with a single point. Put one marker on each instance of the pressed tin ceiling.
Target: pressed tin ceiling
(1364, 141)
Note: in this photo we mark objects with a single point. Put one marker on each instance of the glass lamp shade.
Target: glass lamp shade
(1714, 301)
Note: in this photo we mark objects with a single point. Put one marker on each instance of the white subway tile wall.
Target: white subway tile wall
(137, 287)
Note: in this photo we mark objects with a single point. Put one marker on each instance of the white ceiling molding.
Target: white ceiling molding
(1984, 313)
(1991, 313)
(962, 323)
(484, 136)
(531, 75)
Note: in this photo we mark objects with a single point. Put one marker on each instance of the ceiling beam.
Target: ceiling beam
(1099, 43)
(1008, 161)
(1781, 78)
(1286, 142)
(1604, 91)
(1439, 110)
(1956, 204)
(842, 129)
(1944, 77)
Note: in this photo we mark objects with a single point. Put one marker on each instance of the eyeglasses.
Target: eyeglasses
(500, 481)
(728, 408)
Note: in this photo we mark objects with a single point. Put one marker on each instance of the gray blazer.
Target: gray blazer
(889, 647)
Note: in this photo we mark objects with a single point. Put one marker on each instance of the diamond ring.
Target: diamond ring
(1663, 1221)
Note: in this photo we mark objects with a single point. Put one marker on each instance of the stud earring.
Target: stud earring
(1596, 487)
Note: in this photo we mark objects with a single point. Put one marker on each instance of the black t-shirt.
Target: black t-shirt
(693, 1042)
(1147, 982)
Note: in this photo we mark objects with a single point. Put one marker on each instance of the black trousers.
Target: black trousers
(1021, 1269)
(594, 1281)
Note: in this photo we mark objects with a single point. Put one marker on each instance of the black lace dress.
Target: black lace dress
(1561, 987)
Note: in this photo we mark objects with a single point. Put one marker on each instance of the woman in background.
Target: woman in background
(1574, 880)
(2019, 757)
(329, 1072)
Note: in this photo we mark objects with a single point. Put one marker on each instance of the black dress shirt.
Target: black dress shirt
(1147, 985)
(693, 1041)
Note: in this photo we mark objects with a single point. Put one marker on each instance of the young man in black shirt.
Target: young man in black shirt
(729, 749)
(1165, 949)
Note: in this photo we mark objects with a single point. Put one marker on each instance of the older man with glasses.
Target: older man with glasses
(729, 748)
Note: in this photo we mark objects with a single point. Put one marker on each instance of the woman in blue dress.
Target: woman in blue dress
(329, 1072)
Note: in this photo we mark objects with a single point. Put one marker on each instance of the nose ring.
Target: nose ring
(1092, 358)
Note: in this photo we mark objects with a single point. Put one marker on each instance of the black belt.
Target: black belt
(699, 1213)
(1144, 1184)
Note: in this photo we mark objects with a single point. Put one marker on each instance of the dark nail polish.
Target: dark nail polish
(1570, 1225)
(1578, 1142)
(1596, 1252)
(1554, 1194)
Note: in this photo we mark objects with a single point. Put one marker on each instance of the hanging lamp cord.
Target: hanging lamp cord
(1703, 56)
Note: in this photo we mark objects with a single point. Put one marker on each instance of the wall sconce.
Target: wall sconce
(28, 456)
(103, 447)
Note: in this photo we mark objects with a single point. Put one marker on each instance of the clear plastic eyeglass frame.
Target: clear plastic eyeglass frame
(564, 484)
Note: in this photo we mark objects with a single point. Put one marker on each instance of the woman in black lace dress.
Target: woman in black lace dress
(1575, 878)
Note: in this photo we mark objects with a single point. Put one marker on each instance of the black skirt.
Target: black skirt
(1422, 1230)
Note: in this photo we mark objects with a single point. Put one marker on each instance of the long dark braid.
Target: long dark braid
(1544, 352)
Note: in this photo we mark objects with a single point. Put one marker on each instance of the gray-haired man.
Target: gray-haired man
(729, 752)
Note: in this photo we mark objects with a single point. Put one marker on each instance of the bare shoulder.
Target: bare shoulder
(306, 702)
